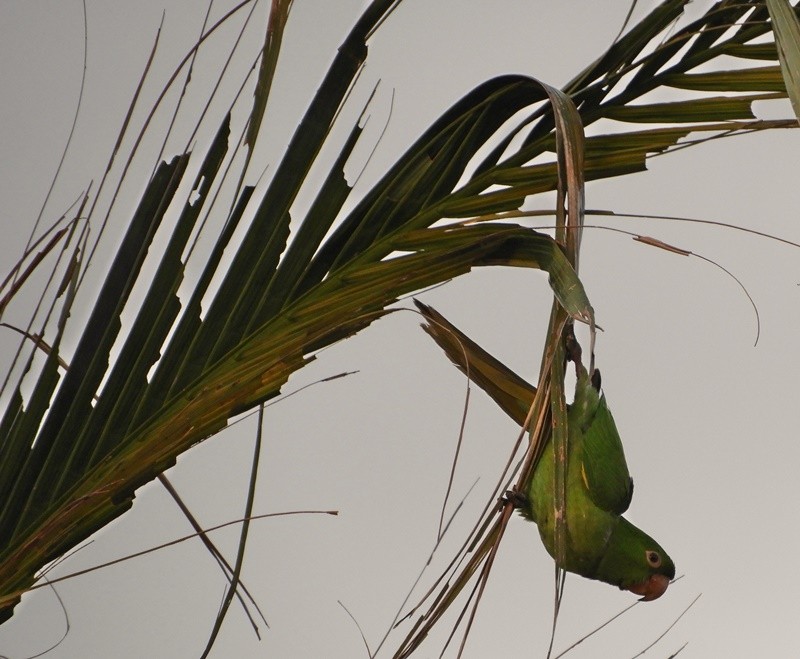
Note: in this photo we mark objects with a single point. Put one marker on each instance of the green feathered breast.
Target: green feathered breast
(600, 543)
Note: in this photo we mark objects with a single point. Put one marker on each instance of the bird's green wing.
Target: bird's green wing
(596, 443)
(593, 435)
(512, 393)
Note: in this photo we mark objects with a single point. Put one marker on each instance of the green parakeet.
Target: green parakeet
(600, 543)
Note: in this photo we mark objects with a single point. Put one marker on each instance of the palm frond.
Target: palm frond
(73, 454)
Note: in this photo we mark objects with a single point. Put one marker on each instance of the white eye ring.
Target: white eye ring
(653, 558)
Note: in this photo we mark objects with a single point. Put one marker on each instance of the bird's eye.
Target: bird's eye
(653, 558)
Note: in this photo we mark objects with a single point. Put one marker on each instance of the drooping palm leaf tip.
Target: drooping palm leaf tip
(73, 453)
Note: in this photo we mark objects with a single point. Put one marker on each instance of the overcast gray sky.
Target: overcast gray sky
(708, 421)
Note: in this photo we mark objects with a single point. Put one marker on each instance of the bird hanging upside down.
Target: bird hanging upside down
(600, 543)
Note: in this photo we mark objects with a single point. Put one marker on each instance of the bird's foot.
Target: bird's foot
(515, 498)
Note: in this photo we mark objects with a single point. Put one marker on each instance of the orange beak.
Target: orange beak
(651, 589)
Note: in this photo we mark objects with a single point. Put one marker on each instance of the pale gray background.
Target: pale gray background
(709, 422)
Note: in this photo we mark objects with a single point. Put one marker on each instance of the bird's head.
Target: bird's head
(634, 561)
